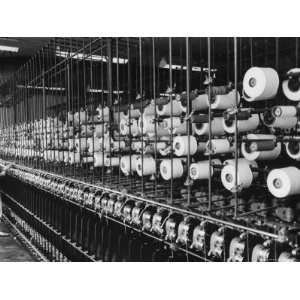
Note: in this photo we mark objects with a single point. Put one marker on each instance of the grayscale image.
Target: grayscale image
(150, 149)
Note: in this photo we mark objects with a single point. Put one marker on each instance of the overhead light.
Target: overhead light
(178, 67)
(47, 88)
(93, 57)
(164, 65)
(166, 95)
(9, 48)
(103, 91)
(212, 70)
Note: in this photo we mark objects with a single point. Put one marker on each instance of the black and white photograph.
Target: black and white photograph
(136, 161)
(151, 149)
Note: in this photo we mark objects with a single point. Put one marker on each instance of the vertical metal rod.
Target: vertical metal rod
(93, 109)
(102, 109)
(277, 61)
(69, 137)
(155, 100)
(129, 104)
(141, 107)
(85, 123)
(118, 101)
(110, 97)
(45, 135)
(209, 121)
(240, 55)
(227, 59)
(266, 51)
(72, 80)
(296, 51)
(172, 125)
(277, 53)
(188, 109)
(251, 51)
(236, 130)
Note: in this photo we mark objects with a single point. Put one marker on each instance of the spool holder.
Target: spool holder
(266, 144)
(275, 110)
(242, 114)
(262, 145)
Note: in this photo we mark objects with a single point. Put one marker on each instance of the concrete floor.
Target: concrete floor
(11, 249)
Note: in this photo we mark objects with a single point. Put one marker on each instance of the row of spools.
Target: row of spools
(157, 130)
(201, 237)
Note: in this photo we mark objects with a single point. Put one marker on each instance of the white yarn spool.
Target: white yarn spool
(81, 144)
(217, 127)
(290, 90)
(25, 154)
(200, 169)
(124, 126)
(182, 107)
(118, 145)
(74, 158)
(284, 111)
(56, 122)
(166, 169)
(125, 166)
(134, 113)
(165, 110)
(225, 101)
(87, 159)
(68, 132)
(156, 147)
(200, 103)
(94, 145)
(171, 122)
(103, 113)
(219, 146)
(146, 148)
(59, 155)
(49, 154)
(178, 126)
(106, 144)
(46, 154)
(118, 116)
(111, 161)
(283, 123)
(284, 182)
(71, 144)
(180, 145)
(147, 166)
(147, 126)
(287, 257)
(100, 130)
(127, 127)
(245, 175)
(242, 125)
(149, 110)
(80, 117)
(293, 150)
(70, 117)
(260, 84)
(261, 155)
(99, 158)
(138, 146)
(66, 156)
(86, 131)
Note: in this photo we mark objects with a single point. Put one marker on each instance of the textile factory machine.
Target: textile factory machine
(155, 149)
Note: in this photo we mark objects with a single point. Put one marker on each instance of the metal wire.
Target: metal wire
(62, 111)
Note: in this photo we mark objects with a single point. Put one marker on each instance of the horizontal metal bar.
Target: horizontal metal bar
(172, 208)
